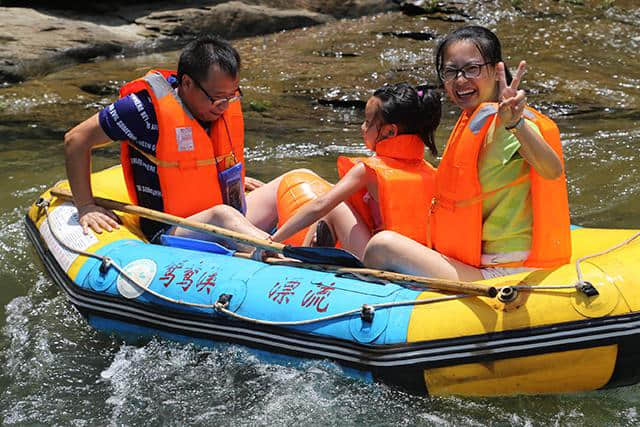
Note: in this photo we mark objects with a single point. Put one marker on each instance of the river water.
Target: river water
(584, 71)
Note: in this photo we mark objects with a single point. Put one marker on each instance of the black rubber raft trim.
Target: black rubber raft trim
(401, 364)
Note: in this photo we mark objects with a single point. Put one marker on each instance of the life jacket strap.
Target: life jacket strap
(484, 196)
(453, 204)
(185, 164)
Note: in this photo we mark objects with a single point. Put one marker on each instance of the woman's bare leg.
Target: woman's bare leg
(391, 251)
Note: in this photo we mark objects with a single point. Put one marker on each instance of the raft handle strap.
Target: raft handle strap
(587, 288)
(223, 301)
(105, 264)
(367, 312)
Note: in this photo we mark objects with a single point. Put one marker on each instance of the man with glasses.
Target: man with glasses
(182, 142)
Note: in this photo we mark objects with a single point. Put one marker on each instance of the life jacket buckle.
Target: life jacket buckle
(443, 203)
(227, 160)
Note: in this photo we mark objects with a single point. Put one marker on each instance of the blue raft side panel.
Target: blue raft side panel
(260, 291)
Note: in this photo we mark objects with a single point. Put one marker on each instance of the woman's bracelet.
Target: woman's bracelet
(516, 126)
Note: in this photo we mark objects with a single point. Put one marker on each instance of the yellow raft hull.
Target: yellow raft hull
(569, 368)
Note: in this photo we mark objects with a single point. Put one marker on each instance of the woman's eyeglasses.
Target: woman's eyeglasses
(469, 71)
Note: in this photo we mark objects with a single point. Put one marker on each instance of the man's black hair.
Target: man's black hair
(200, 55)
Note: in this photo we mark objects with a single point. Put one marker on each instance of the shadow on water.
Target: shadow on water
(303, 109)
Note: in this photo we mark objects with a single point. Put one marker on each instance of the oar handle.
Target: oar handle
(176, 220)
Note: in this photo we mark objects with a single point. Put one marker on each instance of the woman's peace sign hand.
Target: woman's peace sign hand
(511, 99)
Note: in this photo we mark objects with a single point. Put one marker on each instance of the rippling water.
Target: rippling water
(583, 70)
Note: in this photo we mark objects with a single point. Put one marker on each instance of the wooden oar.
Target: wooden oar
(332, 259)
(330, 256)
(392, 277)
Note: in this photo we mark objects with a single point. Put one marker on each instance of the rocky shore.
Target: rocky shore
(37, 41)
(34, 42)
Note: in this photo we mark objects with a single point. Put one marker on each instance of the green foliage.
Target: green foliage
(259, 106)
(607, 4)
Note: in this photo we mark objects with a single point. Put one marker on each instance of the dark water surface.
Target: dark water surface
(584, 70)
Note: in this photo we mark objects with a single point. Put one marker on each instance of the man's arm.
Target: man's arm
(78, 143)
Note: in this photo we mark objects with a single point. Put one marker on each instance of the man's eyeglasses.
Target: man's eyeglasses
(219, 102)
(469, 71)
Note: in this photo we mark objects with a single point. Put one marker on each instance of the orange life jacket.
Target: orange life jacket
(186, 157)
(456, 213)
(405, 186)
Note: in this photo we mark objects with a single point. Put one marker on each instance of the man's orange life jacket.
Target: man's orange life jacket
(405, 186)
(456, 213)
(186, 159)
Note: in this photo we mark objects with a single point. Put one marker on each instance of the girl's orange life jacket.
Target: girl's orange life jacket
(405, 186)
(187, 159)
(456, 210)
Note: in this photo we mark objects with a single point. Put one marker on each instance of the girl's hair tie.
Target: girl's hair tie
(420, 93)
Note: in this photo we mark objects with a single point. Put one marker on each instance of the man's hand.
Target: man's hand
(97, 218)
(251, 184)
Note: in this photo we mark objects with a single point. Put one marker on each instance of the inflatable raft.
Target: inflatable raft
(575, 328)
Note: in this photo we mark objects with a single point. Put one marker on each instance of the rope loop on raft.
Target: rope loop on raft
(581, 285)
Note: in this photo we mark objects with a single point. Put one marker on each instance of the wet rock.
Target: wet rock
(35, 42)
(103, 89)
(335, 54)
(350, 8)
(343, 103)
(445, 11)
(91, 51)
(231, 19)
(410, 35)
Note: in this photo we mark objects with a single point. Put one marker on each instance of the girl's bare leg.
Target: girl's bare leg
(350, 230)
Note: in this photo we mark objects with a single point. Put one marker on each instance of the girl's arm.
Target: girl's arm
(354, 180)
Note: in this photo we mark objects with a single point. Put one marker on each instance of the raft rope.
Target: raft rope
(366, 311)
(581, 284)
(109, 262)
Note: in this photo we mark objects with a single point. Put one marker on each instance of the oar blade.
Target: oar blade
(315, 255)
